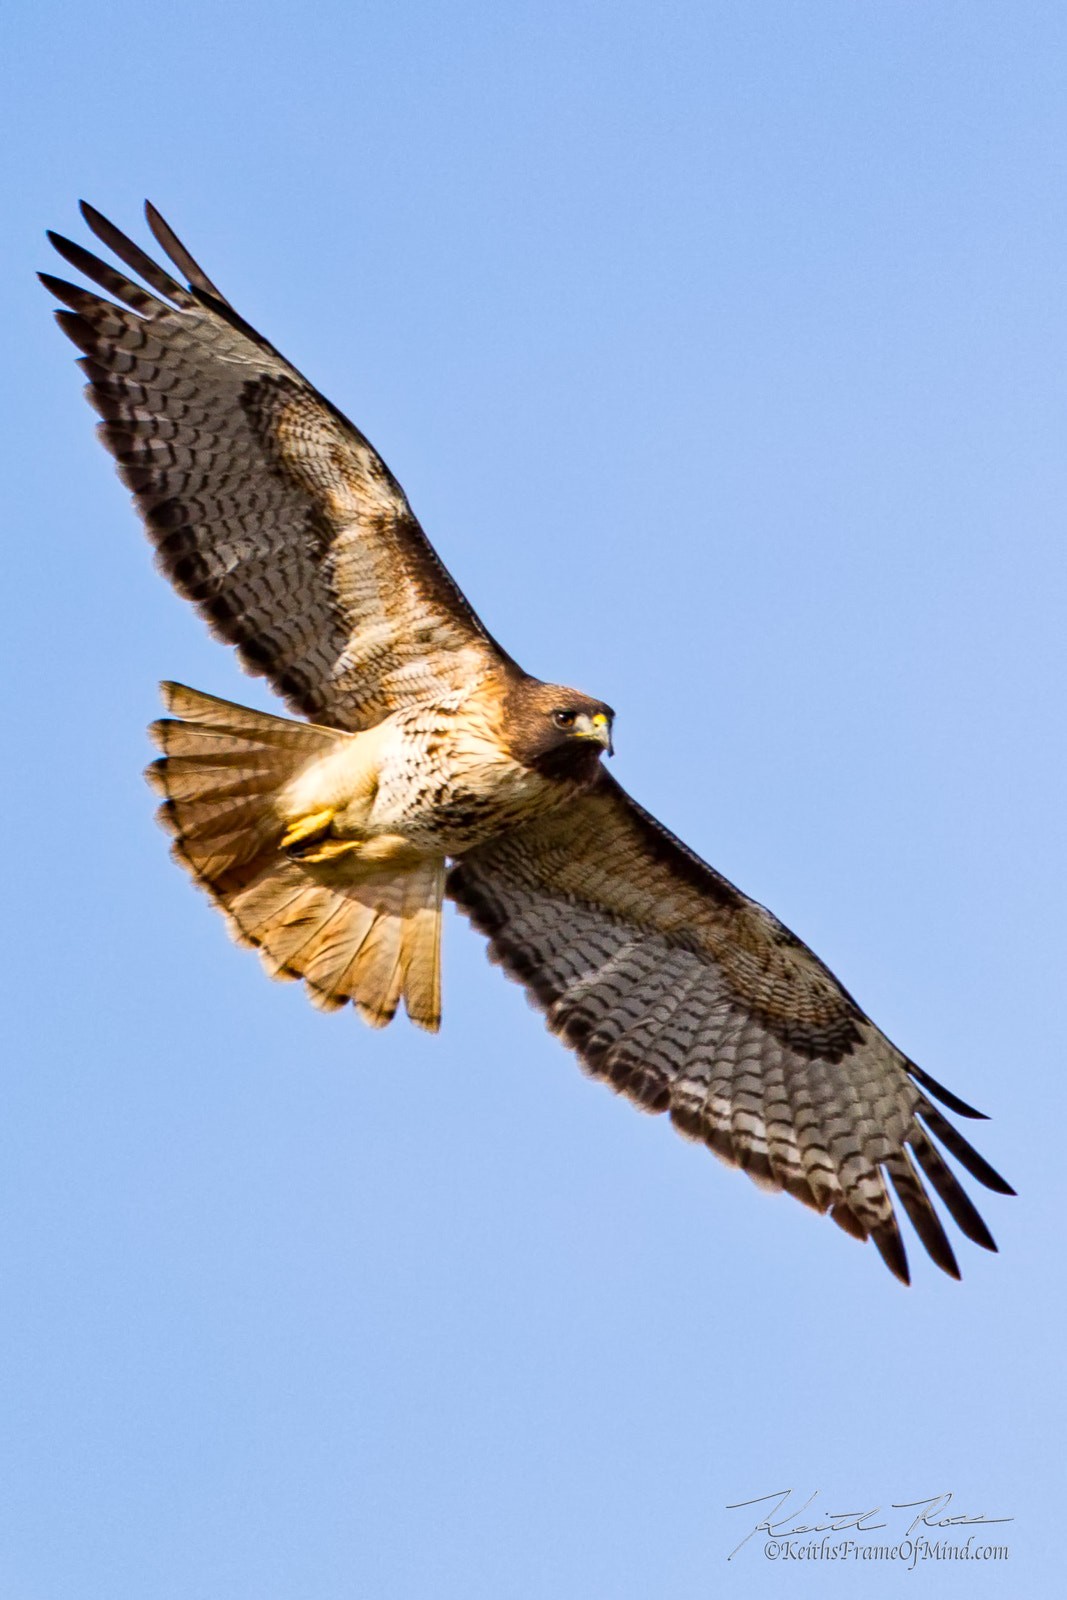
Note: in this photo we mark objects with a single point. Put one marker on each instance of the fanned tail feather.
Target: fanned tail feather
(366, 935)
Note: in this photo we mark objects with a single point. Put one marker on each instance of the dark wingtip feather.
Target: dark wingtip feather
(957, 1145)
(64, 246)
(891, 1249)
(70, 294)
(100, 272)
(168, 240)
(923, 1217)
(74, 253)
(955, 1198)
(133, 256)
(946, 1097)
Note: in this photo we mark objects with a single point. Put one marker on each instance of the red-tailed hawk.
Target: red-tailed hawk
(432, 764)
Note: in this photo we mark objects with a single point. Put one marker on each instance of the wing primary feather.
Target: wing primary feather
(956, 1145)
(955, 1198)
(77, 298)
(70, 294)
(924, 1218)
(100, 272)
(946, 1097)
(134, 257)
(886, 1236)
(169, 241)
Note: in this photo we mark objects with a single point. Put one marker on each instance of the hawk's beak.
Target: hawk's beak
(596, 727)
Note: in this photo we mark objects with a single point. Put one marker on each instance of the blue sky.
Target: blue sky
(721, 351)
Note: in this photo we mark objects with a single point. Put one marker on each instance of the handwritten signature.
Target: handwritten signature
(929, 1515)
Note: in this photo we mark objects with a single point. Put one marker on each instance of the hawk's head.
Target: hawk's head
(558, 732)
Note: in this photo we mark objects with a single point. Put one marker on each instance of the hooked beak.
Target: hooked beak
(596, 727)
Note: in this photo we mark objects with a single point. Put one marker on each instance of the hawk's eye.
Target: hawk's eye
(564, 719)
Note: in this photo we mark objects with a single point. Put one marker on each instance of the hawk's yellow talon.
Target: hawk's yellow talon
(329, 850)
(304, 827)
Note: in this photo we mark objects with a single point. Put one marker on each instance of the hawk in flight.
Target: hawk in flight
(430, 764)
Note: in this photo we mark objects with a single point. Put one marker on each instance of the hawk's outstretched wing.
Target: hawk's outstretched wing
(691, 998)
(267, 508)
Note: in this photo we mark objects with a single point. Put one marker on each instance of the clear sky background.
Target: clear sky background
(721, 350)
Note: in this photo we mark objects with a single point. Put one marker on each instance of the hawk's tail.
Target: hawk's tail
(366, 934)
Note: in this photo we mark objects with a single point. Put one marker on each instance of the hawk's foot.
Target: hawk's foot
(308, 838)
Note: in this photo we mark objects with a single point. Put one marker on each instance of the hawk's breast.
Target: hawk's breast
(446, 783)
